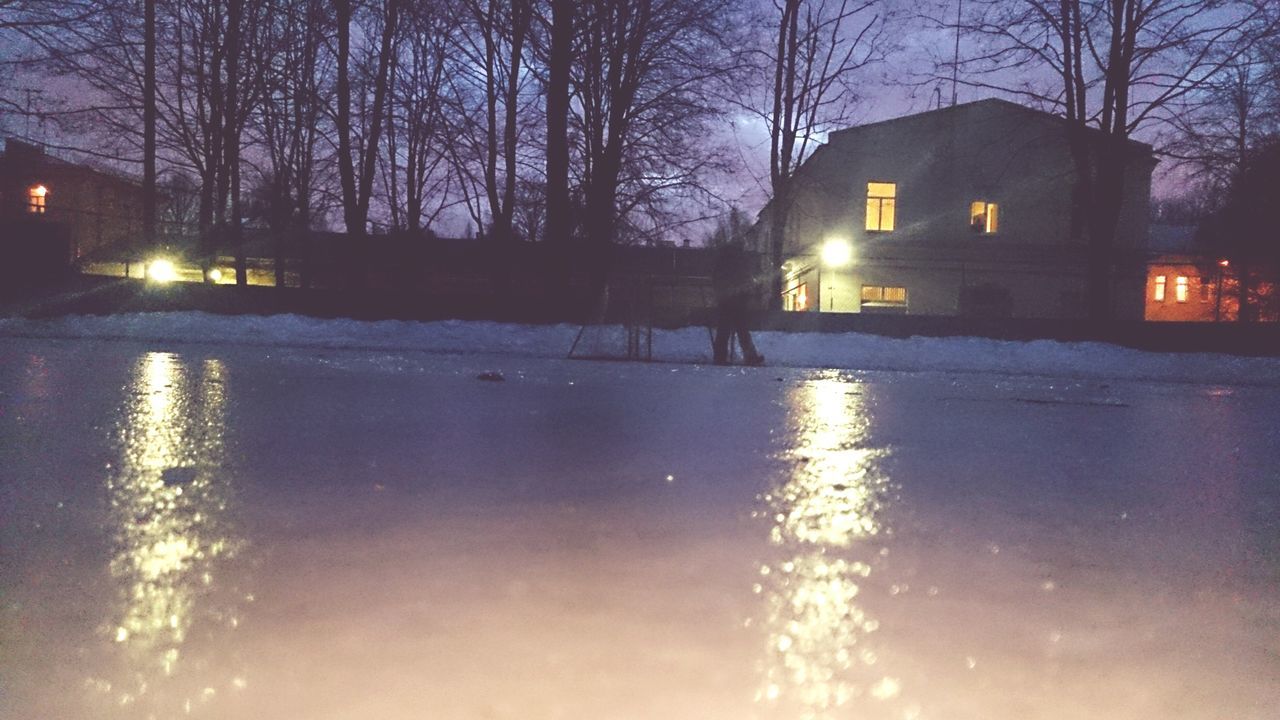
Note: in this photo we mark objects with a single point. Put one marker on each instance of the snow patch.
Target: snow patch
(856, 351)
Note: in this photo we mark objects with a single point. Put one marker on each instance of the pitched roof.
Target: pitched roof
(993, 103)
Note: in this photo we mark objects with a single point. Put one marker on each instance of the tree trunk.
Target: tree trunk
(149, 194)
(559, 224)
(346, 164)
(385, 59)
(1245, 312)
(231, 127)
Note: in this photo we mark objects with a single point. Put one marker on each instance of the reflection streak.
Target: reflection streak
(168, 499)
(823, 518)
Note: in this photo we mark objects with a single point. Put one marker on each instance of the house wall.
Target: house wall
(1212, 294)
(941, 162)
(97, 210)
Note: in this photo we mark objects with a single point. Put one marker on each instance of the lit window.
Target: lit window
(983, 217)
(1159, 294)
(1180, 289)
(881, 198)
(35, 199)
(796, 297)
(879, 294)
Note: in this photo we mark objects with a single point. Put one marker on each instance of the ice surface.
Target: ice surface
(270, 526)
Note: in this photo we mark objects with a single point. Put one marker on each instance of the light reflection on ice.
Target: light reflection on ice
(169, 500)
(824, 516)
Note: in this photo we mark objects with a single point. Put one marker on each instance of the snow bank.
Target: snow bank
(830, 350)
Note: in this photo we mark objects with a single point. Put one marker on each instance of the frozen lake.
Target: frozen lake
(302, 533)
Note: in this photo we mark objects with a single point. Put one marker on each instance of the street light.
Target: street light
(833, 253)
(837, 253)
(162, 271)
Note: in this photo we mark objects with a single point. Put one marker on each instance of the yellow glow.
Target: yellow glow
(36, 199)
(837, 253)
(983, 216)
(882, 189)
(1180, 288)
(162, 271)
(883, 295)
(215, 275)
(168, 499)
(818, 657)
(1158, 296)
(881, 205)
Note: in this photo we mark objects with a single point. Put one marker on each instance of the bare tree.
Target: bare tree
(149, 123)
(359, 133)
(1242, 233)
(26, 27)
(490, 90)
(1110, 67)
(417, 117)
(644, 78)
(559, 61)
(1214, 130)
(294, 86)
(816, 59)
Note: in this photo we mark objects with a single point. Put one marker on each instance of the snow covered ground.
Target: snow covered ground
(810, 350)
(290, 518)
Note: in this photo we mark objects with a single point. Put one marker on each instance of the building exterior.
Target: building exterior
(1182, 286)
(1186, 285)
(959, 211)
(1186, 288)
(45, 196)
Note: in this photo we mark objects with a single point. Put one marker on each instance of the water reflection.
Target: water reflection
(169, 499)
(825, 522)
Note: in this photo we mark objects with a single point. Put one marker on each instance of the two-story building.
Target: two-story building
(965, 210)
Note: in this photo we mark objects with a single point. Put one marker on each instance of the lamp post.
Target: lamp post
(836, 253)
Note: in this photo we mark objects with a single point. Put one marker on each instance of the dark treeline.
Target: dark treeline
(575, 123)
(589, 123)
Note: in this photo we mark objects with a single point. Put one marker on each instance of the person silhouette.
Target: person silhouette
(735, 279)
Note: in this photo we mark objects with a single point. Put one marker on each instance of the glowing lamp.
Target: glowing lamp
(1224, 262)
(215, 275)
(162, 271)
(837, 253)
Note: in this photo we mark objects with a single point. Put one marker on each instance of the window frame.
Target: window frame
(879, 203)
(881, 300)
(1158, 294)
(990, 217)
(36, 199)
(1181, 288)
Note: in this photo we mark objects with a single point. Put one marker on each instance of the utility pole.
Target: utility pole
(955, 59)
(30, 111)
